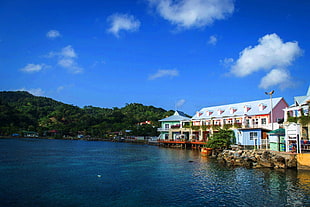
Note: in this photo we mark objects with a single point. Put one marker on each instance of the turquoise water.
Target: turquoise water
(37, 172)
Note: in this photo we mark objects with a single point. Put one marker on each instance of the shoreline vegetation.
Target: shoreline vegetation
(23, 114)
(135, 141)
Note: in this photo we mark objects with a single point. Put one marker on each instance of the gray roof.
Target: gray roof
(177, 116)
(250, 108)
(302, 100)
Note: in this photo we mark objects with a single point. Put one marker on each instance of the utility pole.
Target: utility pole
(271, 113)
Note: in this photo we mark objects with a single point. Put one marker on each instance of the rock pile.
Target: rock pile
(258, 159)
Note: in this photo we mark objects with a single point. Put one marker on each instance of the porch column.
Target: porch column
(170, 135)
(285, 114)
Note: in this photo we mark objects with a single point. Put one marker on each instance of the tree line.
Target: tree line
(21, 111)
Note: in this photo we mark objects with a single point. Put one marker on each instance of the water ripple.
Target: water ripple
(59, 173)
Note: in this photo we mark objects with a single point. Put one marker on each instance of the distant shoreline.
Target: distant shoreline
(85, 139)
(82, 139)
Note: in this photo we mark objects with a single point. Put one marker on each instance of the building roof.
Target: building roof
(250, 108)
(177, 116)
(302, 100)
(277, 131)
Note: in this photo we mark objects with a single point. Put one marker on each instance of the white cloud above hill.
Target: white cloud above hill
(31, 68)
(33, 91)
(180, 103)
(67, 59)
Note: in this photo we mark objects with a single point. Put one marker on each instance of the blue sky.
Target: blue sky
(180, 54)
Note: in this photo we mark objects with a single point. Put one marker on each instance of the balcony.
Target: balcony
(218, 126)
(163, 129)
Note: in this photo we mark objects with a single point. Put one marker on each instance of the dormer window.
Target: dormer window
(232, 110)
(220, 111)
(198, 113)
(209, 113)
(246, 108)
(261, 106)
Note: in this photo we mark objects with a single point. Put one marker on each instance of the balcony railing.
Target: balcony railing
(162, 129)
(218, 126)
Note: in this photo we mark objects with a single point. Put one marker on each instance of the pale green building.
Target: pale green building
(171, 127)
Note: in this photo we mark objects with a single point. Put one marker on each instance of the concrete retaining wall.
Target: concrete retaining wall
(303, 161)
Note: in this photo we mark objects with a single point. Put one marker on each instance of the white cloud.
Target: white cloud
(271, 55)
(271, 52)
(60, 88)
(33, 91)
(96, 63)
(212, 40)
(280, 77)
(188, 14)
(70, 64)
(164, 73)
(66, 62)
(227, 62)
(67, 59)
(68, 52)
(52, 34)
(180, 103)
(64, 87)
(31, 68)
(120, 22)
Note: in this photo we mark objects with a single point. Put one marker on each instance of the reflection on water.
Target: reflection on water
(79, 173)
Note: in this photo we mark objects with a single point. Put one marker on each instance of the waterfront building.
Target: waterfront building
(297, 124)
(250, 121)
(30, 134)
(277, 140)
(171, 127)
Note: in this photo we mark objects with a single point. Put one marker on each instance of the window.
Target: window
(247, 122)
(261, 106)
(264, 121)
(232, 110)
(253, 135)
(220, 111)
(166, 136)
(246, 109)
(255, 121)
(167, 126)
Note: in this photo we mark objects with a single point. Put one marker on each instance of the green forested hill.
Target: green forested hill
(21, 111)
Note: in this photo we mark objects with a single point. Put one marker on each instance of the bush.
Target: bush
(221, 140)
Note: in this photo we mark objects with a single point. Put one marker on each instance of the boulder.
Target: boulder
(257, 159)
(265, 163)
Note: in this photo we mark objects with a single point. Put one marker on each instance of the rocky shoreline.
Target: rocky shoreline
(258, 159)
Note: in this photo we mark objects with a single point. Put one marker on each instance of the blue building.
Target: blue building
(256, 137)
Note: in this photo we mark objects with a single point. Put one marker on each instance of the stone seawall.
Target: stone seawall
(258, 159)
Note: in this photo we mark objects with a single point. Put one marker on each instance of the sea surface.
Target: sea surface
(42, 172)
